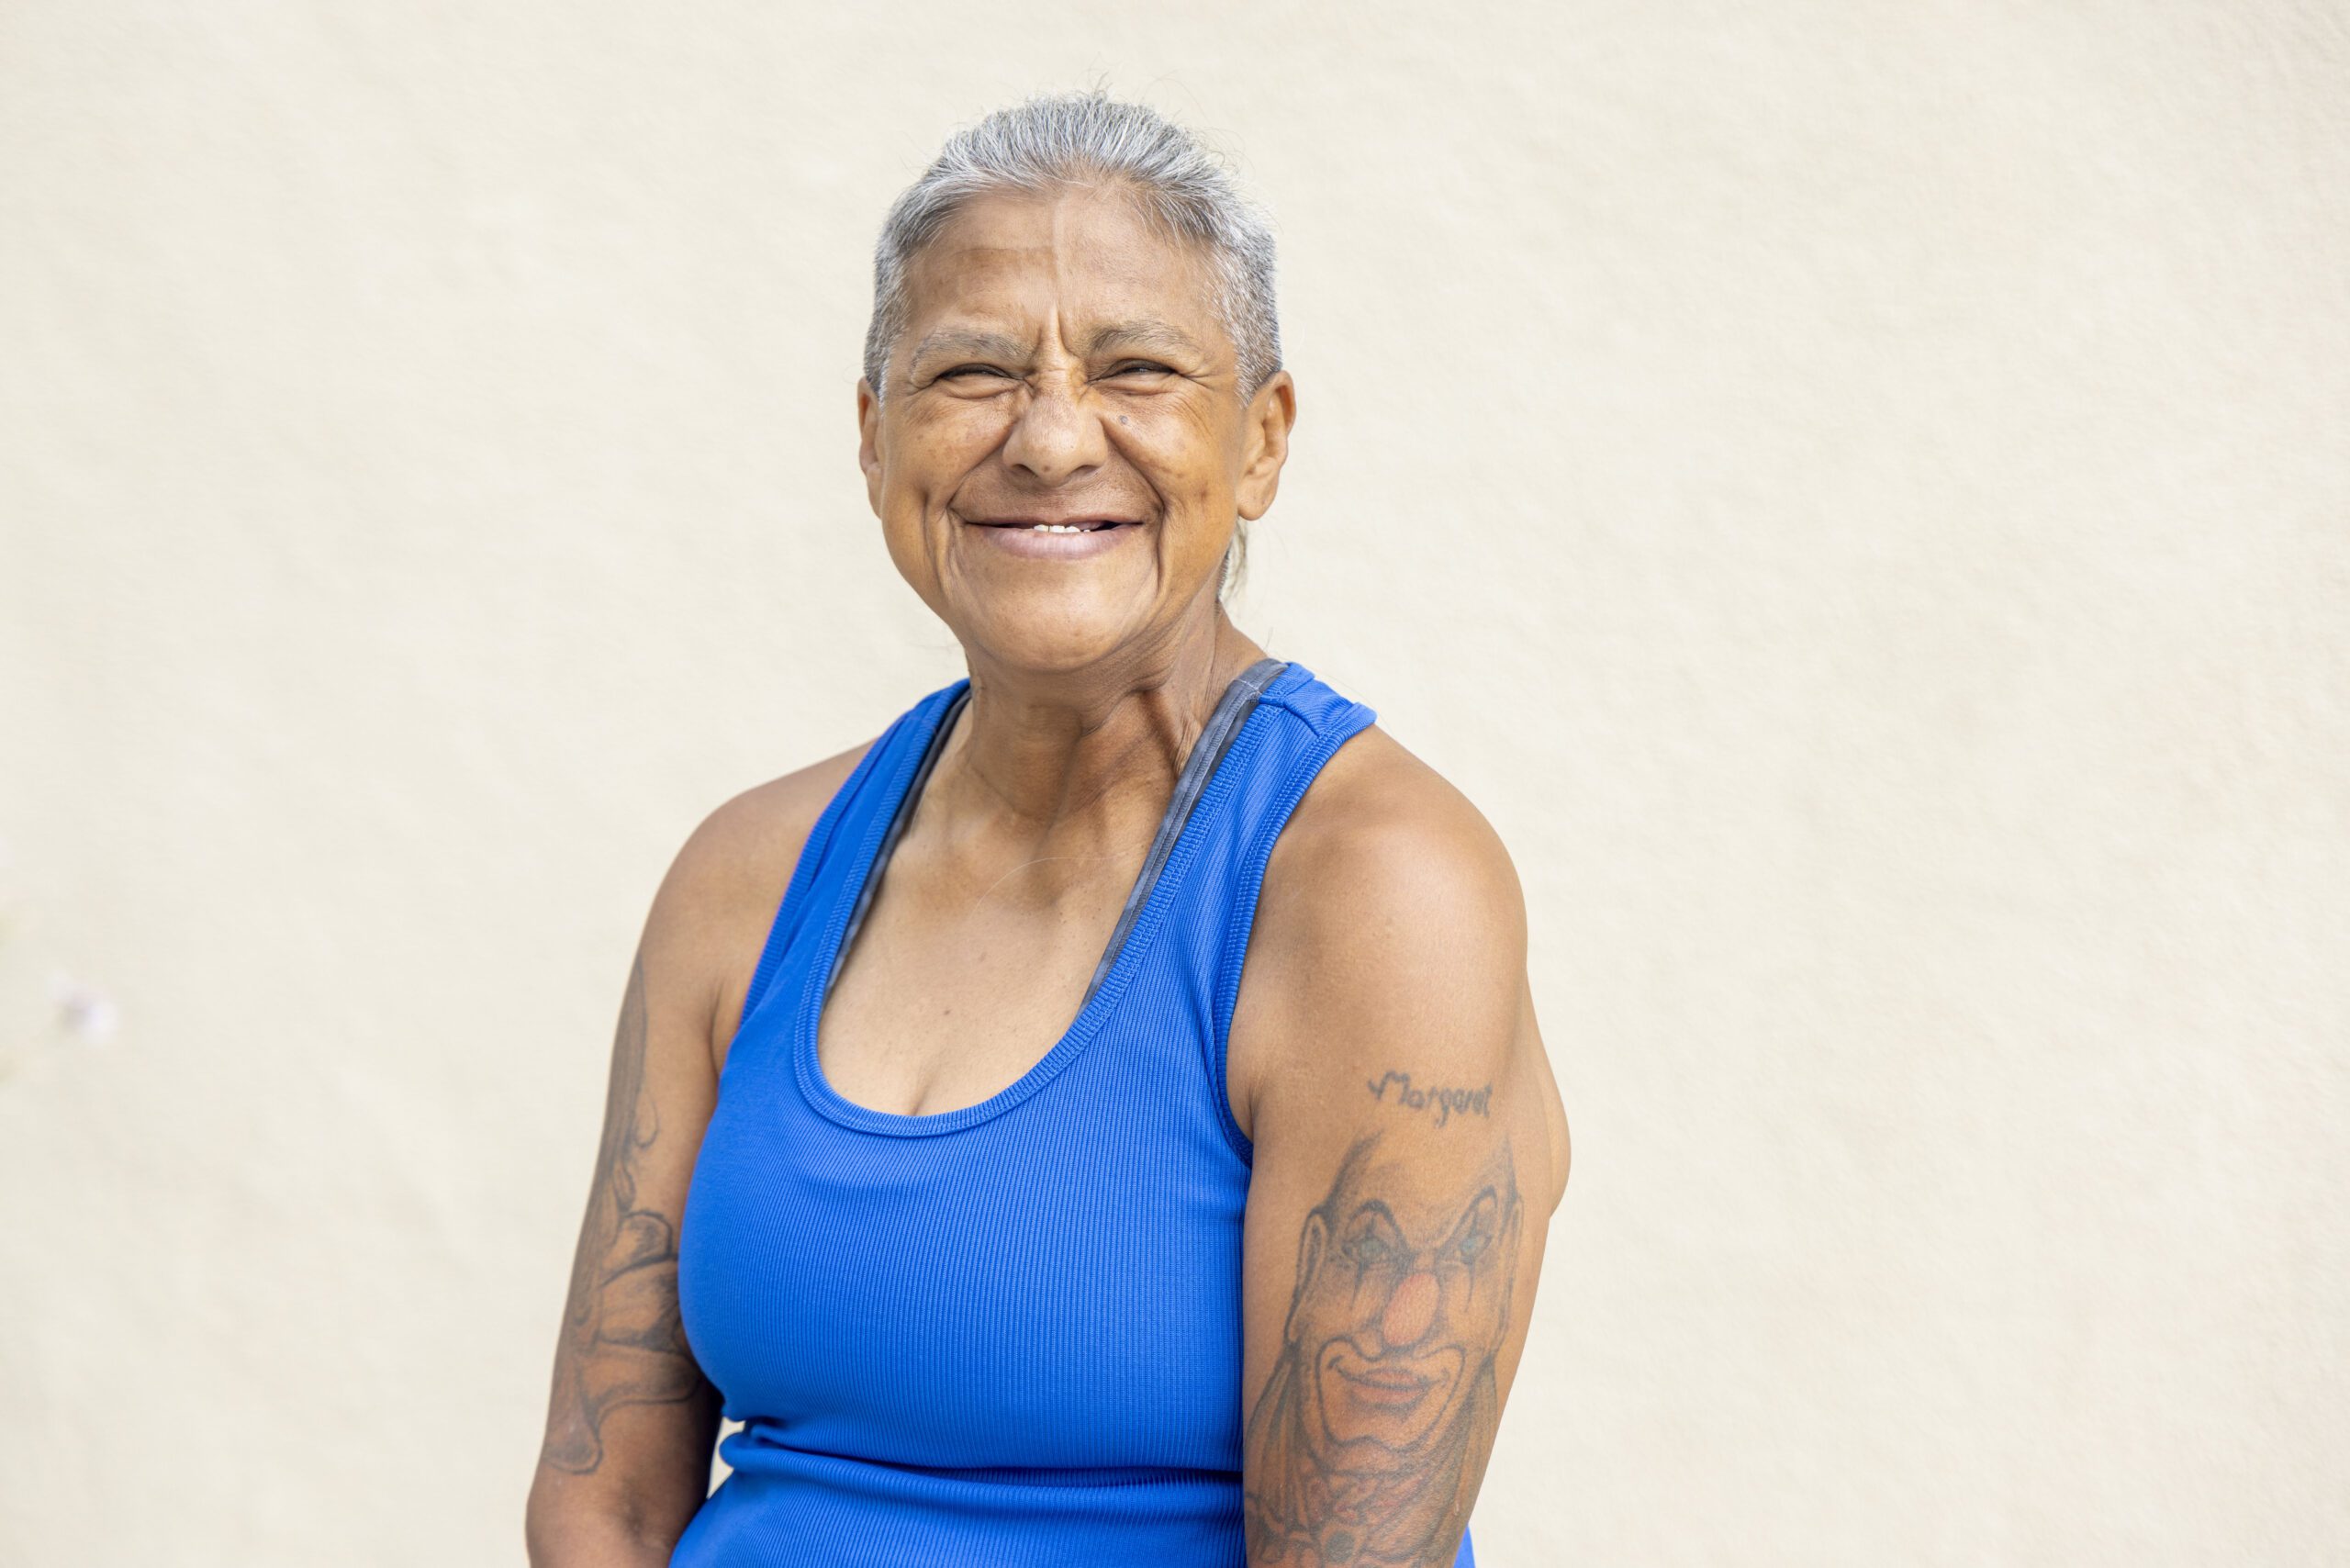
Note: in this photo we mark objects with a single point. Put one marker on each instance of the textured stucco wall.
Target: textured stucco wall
(1858, 494)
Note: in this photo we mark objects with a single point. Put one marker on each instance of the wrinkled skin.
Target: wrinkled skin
(1064, 357)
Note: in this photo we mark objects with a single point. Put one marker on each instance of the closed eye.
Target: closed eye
(971, 369)
(1142, 366)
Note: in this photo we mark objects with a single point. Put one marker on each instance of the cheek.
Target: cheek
(1190, 463)
(938, 447)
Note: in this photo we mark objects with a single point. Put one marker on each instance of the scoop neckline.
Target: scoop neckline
(816, 980)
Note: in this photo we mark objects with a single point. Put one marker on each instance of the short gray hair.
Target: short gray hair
(1072, 138)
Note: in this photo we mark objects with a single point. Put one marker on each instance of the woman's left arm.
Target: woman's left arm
(1410, 1147)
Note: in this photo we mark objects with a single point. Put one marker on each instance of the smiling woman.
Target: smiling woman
(1101, 1120)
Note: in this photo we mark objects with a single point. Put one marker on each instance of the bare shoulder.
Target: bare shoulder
(1391, 905)
(722, 892)
(1385, 862)
(1383, 837)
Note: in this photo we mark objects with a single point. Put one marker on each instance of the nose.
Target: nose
(1057, 436)
(1409, 1311)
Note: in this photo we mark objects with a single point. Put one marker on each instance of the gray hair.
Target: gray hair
(1074, 138)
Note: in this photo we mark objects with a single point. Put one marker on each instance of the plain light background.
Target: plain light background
(1858, 495)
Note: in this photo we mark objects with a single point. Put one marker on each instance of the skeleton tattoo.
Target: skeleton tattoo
(1368, 1443)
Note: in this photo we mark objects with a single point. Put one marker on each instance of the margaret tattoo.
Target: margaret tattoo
(1443, 1101)
(1368, 1442)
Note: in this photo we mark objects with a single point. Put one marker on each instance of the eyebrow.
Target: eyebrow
(1144, 333)
(965, 340)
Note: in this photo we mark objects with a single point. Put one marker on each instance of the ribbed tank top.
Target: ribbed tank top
(1007, 1334)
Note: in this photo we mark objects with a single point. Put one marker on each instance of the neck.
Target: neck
(1035, 752)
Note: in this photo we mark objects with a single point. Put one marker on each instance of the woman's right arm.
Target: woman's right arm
(630, 1418)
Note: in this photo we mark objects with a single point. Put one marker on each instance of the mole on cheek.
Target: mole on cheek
(1121, 418)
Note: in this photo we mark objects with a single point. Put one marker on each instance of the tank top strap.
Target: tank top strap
(848, 830)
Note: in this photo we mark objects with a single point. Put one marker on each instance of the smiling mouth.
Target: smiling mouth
(1033, 525)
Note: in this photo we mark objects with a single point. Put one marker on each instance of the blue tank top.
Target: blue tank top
(1007, 1334)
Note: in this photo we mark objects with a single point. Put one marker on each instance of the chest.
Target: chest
(948, 993)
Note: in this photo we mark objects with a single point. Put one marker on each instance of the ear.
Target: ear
(869, 442)
(1264, 444)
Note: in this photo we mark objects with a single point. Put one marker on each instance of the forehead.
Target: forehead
(1085, 256)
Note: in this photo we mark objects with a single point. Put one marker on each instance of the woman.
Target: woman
(1102, 1120)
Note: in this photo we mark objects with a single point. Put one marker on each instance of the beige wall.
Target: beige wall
(1858, 495)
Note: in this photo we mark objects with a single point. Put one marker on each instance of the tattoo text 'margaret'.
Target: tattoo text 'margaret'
(1444, 1102)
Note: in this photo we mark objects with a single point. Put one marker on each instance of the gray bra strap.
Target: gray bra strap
(896, 831)
(1232, 709)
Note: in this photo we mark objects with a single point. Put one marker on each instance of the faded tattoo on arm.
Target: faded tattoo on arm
(1371, 1437)
(623, 1340)
(1442, 1102)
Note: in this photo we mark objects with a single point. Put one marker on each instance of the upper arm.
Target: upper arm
(630, 1418)
(1409, 1150)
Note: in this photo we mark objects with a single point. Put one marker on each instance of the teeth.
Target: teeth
(1058, 528)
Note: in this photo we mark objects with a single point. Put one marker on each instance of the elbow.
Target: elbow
(561, 1529)
(550, 1534)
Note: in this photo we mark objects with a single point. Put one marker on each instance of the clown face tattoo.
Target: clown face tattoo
(1368, 1443)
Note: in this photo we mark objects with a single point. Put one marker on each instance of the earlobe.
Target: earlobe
(869, 426)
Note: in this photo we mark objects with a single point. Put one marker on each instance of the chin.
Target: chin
(1050, 632)
(1072, 650)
